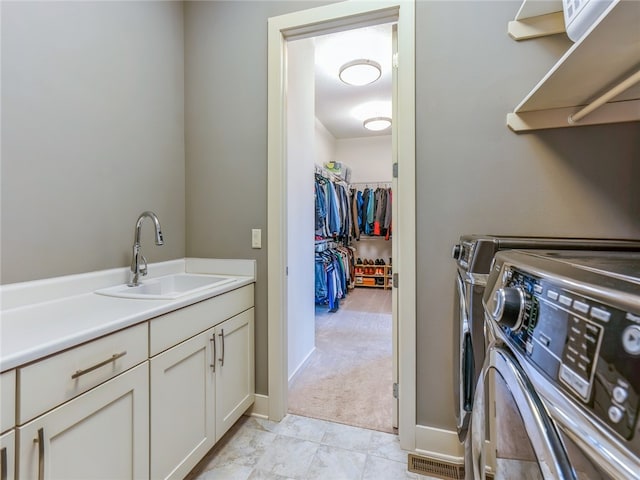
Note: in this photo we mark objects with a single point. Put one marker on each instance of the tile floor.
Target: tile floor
(306, 449)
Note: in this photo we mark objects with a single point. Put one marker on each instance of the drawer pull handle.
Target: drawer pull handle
(3, 464)
(40, 442)
(213, 355)
(113, 358)
(222, 342)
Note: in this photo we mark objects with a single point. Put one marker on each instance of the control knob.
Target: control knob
(508, 306)
(457, 250)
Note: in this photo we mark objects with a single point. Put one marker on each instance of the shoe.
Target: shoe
(377, 262)
(359, 261)
(381, 262)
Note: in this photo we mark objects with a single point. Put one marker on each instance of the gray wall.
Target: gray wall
(92, 134)
(475, 176)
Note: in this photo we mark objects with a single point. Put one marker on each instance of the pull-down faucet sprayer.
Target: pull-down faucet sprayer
(138, 262)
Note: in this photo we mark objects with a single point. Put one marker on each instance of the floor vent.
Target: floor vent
(435, 468)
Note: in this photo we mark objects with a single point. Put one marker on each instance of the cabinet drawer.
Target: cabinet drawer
(59, 378)
(172, 328)
(7, 400)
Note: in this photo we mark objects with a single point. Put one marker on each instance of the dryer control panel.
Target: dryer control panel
(589, 348)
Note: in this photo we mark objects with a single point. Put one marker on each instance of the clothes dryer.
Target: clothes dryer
(474, 254)
(559, 393)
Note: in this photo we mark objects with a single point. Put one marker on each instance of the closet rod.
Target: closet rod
(601, 100)
(386, 184)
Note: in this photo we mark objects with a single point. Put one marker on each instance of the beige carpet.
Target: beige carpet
(348, 379)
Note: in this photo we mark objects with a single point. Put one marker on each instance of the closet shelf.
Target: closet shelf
(606, 57)
(369, 279)
(537, 19)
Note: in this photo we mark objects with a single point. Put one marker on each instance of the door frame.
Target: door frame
(312, 22)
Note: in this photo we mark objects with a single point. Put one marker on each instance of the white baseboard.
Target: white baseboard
(439, 444)
(260, 407)
(301, 365)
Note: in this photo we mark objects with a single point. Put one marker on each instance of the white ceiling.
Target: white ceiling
(335, 100)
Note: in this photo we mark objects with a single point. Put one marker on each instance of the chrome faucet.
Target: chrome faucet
(138, 262)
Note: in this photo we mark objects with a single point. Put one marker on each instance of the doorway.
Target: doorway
(338, 17)
(340, 356)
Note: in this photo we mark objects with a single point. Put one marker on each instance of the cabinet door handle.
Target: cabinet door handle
(3, 463)
(222, 343)
(213, 353)
(40, 442)
(112, 358)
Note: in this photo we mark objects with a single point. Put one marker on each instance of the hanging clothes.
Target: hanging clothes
(333, 209)
(373, 215)
(333, 276)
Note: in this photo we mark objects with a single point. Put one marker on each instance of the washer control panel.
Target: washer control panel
(589, 348)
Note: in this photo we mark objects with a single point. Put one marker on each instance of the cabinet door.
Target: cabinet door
(235, 389)
(7, 456)
(101, 434)
(182, 406)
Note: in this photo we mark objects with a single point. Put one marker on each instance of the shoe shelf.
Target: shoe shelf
(373, 276)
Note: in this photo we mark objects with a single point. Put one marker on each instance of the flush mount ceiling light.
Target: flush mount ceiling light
(377, 124)
(360, 72)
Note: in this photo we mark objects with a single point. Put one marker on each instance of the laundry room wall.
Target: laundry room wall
(92, 134)
(476, 176)
(473, 174)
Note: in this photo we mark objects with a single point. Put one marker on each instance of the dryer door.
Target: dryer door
(521, 441)
(464, 368)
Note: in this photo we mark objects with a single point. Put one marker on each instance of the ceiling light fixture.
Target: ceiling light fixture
(377, 124)
(360, 72)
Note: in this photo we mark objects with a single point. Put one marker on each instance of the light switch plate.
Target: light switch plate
(256, 238)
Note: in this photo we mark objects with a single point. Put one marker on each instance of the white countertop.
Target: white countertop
(47, 316)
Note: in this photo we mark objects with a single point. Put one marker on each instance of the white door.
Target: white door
(7, 456)
(102, 434)
(234, 370)
(182, 406)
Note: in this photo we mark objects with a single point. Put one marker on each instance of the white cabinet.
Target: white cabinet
(199, 389)
(7, 422)
(7, 456)
(182, 406)
(103, 433)
(7, 400)
(235, 391)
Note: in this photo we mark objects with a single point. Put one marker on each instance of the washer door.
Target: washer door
(521, 441)
(464, 368)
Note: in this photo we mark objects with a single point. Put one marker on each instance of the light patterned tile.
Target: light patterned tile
(288, 457)
(260, 475)
(377, 468)
(244, 448)
(336, 464)
(348, 437)
(387, 445)
(302, 427)
(227, 472)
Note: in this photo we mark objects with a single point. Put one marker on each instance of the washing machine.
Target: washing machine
(473, 254)
(558, 395)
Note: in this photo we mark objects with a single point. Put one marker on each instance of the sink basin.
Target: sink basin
(167, 287)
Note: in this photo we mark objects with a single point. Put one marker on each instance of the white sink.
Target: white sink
(168, 287)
